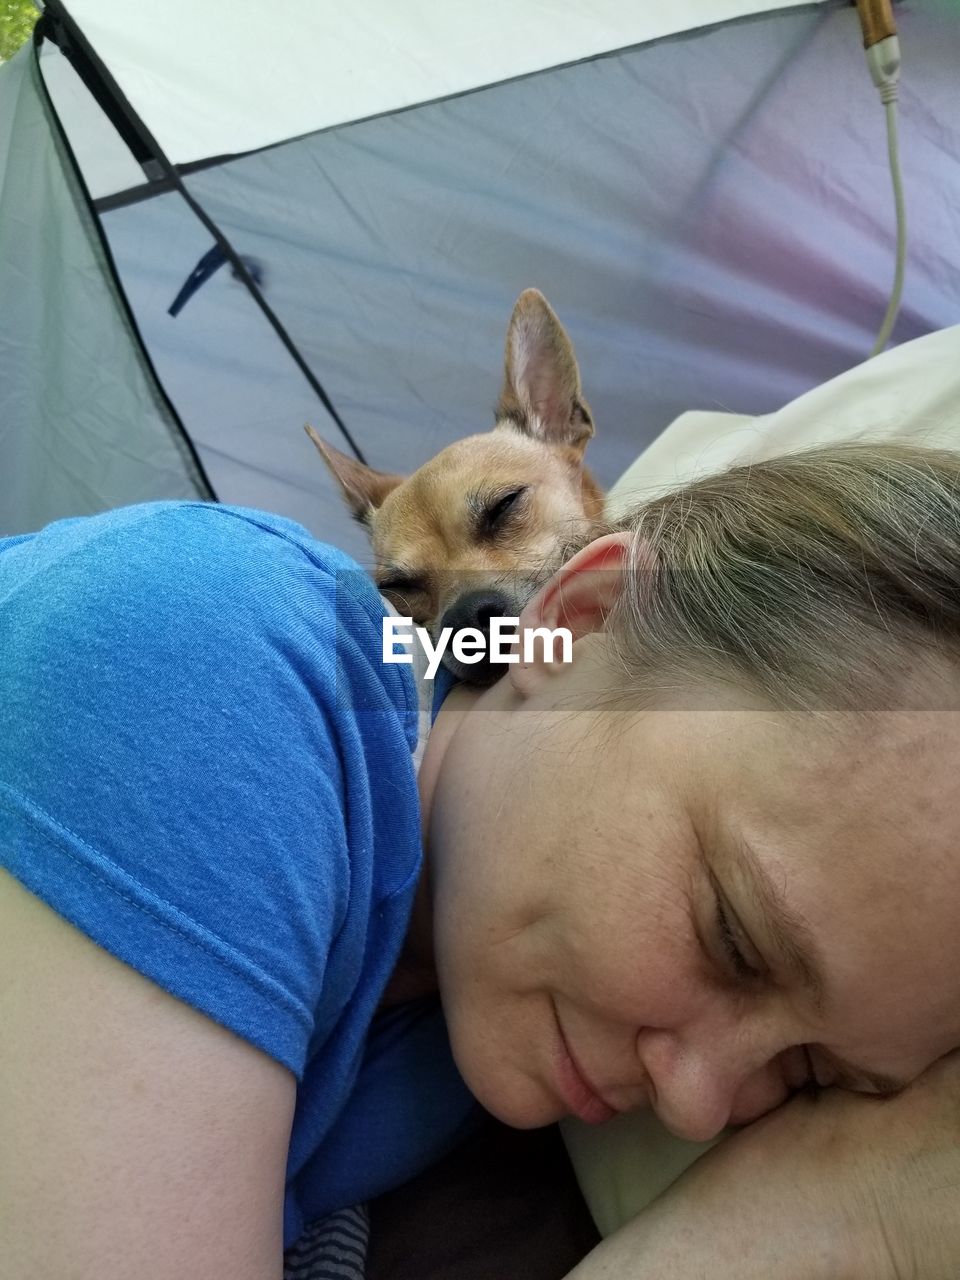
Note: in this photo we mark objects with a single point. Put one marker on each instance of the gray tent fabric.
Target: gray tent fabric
(710, 215)
(227, 372)
(82, 426)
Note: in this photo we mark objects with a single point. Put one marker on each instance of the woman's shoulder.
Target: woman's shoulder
(181, 531)
(226, 567)
(202, 747)
(199, 587)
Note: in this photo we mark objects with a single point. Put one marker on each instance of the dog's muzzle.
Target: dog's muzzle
(476, 610)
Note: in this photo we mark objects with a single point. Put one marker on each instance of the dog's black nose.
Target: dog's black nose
(476, 610)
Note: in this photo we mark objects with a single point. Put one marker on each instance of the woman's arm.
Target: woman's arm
(837, 1187)
(138, 1137)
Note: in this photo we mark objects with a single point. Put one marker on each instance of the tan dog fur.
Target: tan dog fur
(436, 533)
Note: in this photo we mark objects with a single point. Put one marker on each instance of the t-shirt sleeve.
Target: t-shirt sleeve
(172, 759)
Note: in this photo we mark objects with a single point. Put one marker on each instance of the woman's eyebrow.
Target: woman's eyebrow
(788, 932)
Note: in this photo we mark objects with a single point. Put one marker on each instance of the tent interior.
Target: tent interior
(207, 243)
(222, 220)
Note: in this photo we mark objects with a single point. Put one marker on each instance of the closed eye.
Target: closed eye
(733, 941)
(494, 515)
(400, 585)
(410, 596)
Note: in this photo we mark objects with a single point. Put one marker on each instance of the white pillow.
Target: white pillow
(911, 392)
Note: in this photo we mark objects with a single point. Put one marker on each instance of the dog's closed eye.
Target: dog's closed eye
(400, 583)
(403, 591)
(493, 515)
(409, 594)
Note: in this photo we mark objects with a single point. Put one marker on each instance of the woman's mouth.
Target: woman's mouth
(575, 1090)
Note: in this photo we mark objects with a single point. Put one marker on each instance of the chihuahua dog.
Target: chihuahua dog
(475, 531)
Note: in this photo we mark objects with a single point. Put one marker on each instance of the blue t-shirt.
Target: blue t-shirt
(205, 765)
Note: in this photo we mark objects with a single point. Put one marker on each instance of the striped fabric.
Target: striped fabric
(333, 1248)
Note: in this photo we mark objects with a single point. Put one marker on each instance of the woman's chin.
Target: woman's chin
(520, 1103)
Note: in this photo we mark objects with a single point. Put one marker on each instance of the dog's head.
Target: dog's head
(473, 532)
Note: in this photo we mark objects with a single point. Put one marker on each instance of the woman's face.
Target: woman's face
(694, 909)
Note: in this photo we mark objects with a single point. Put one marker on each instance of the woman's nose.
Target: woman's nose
(698, 1090)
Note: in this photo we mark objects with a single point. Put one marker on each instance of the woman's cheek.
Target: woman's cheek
(649, 968)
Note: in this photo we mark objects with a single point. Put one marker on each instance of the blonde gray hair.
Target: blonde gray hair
(818, 580)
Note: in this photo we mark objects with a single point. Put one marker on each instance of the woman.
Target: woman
(710, 861)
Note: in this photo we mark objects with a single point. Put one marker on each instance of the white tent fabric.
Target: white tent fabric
(709, 213)
(227, 76)
(104, 159)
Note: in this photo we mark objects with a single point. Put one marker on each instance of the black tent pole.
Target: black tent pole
(60, 27)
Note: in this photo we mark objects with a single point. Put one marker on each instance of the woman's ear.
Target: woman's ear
(577, 598)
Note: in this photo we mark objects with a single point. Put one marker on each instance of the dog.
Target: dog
(473, 533)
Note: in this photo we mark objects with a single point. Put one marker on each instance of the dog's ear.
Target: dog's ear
(541, 393)
(363, 488)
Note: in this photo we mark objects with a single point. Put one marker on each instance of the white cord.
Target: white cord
(884, 62)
